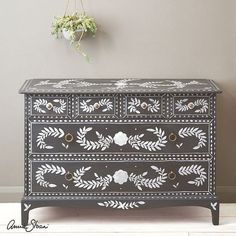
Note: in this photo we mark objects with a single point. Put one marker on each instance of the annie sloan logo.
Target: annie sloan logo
(33, 224)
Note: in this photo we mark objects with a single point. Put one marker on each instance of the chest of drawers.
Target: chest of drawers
(120, 144)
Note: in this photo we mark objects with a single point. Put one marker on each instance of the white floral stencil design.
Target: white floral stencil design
(39, 103)
(46, 132)
(192, 131)
(121, 139)
(121, 205)
(194, 169)
(120, 177)
(104, 103)
(100, 181)
(45, 169)
(140, 180)
(103, 142)
(182, 105)
(135, 104)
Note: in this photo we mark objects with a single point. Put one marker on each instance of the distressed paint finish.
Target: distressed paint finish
(120, 143)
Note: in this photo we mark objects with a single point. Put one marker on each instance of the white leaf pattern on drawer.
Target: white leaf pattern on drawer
(192, 131)
(135, 104)
(46, 132)
(44, 169)
(105, 103)
(39, 103)
(201, 103)
(194, 169)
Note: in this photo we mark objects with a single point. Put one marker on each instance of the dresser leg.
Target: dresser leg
(215, 212)
(25, 213)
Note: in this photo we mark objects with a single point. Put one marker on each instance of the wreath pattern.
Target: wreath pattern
(106, 103)
(182, 106)
(39, 103)
(135, 103)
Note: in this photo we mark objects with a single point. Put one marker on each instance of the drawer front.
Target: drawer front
(123, 137)
(50, 106)
(135, 105)
(192, 106)
(96, 105)
(75, 177)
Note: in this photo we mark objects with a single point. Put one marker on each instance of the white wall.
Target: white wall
(136, 38)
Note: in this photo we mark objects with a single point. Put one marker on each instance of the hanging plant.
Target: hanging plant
(74, 27)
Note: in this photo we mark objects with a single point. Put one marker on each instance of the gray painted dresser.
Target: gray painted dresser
(120, 144)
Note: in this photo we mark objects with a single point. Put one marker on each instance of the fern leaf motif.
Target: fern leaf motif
(194, 169)
(198, 133)
(47, 132)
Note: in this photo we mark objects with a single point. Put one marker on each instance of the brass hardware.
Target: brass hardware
(191, 105)
(49, 106)
(69, 176)
(172, 137)
(172, 175)
(144, 105)
(69, 138)
(96, 105)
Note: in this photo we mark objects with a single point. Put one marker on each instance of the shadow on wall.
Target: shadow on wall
(226, 141)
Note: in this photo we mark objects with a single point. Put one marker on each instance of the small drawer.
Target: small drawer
(96, 105)
(191, 106)
(77, 177)
(49, 105)
(143, 105)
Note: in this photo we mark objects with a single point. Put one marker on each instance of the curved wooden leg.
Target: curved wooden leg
(215, 212)
(25, 208)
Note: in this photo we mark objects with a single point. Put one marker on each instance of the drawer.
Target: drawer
(191, 106)
(49, 105)
(136, 105)
(158, 137)
(124, 178)
(96, 105)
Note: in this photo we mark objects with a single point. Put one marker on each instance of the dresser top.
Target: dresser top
(119, 86)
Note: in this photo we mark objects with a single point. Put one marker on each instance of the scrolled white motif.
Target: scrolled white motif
(136, 142)
(100, 181)
(44, 169)
(103, 142)
(192, 131)
(135, 103)
(121, 139)
(140, 180)
(194, 169)
(121, 205)
(46, 132)
(105, 103)
(182, 106)
(43, 102)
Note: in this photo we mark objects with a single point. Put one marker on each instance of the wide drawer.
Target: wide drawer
(118, 177)
(159, 137)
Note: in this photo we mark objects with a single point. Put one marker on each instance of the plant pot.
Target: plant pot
(67, 36)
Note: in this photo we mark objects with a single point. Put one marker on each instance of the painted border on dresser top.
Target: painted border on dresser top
(127, 85)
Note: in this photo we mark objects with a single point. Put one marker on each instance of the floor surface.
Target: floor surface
(173, 221)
